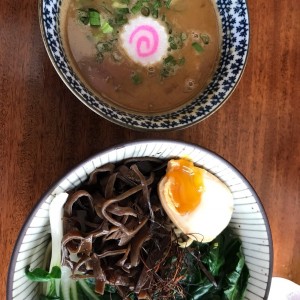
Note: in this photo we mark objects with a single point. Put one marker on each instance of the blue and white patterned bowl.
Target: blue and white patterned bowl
(235, 43)
(248, 221)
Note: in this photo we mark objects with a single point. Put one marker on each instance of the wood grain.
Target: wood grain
(44, 130)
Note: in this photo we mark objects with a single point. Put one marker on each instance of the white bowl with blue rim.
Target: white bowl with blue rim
(234, 50)
(249, 221)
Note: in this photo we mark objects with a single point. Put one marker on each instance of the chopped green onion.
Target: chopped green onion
(106, 28)
(123, 11)
(168, 68)
(197, 47)
(181, 61)
(117, 4)
(177, 41)
(145, 11)
(155, 8)
(183, 36)
(173, 46)
(172, 42)
(170, 65)
(170, 60)
(83, 16)
(120, 20)
(169, 27)
(136, 79)
(94, 17)
(168, 3)
(205, 38)
(137, 7)
(104, 46)
(157, 4)
(155, 13)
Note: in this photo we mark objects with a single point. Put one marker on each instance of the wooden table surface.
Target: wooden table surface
(45, 130)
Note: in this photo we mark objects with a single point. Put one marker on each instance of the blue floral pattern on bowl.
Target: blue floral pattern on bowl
(235, 43)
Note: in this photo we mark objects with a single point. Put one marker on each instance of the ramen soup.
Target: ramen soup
(142, 55)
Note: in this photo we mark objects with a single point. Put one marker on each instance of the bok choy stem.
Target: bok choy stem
(56, 226)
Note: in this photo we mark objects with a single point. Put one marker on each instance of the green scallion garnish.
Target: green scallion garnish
(83, 16)
(94, 17)
(136, 79)
(170, 60)
(168, 3)
(120, 20)
(145, 11)
(183, 36)
(104, 47)
(123, 11)
(197, 47)
(137, 6)
(106, 28)
(181, 61)
(205, 38)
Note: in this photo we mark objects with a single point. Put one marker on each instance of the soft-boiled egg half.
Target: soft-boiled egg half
(196, 201)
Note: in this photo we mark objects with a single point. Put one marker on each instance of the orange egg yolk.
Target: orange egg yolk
(186, 184)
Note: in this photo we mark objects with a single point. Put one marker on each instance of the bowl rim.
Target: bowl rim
(130, 126)
(45, 195)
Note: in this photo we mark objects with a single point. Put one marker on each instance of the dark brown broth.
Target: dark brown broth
(113, 81)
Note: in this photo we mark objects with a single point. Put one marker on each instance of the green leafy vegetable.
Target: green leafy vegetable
(222, 258)
(237, 279)
(40, 275)
(215, 259)
(59, 283)
(210, 271)
(225, 261)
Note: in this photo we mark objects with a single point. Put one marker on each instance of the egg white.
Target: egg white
(209, 218)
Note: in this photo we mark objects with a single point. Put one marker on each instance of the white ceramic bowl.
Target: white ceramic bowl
(249, 220)
(234, 50)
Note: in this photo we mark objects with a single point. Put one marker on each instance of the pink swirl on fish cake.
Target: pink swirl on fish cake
(148, 37)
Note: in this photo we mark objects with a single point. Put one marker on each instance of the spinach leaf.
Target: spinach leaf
(224, 260)
(237, 280)
(215, 257)
(86, 288)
